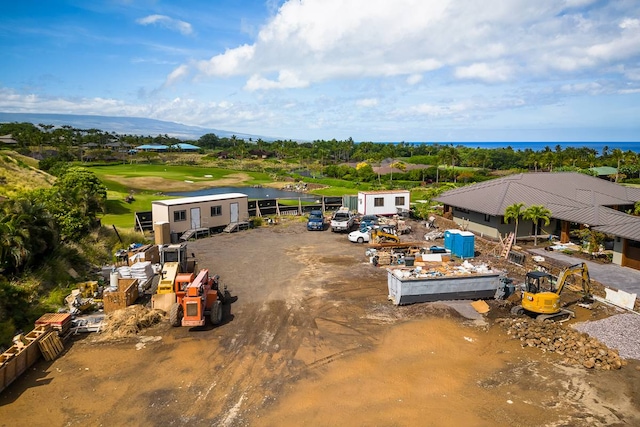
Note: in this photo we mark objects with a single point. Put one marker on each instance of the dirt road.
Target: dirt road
(312, 340)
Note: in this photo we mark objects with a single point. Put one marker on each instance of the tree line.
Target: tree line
(81, 144)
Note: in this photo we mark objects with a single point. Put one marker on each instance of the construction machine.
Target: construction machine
(197, 299)
(175, 262)
(177, 254)
(541, 293)
(384, 233)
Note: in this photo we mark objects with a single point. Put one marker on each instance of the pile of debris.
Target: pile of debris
(443, 269)
(128, 322)
(578, 348)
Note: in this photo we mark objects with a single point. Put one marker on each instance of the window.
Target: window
(378, 201)
(179, 216)
(216, 210)
(487, 218)
(400, 201)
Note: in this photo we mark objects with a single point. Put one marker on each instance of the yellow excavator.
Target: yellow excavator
(541, 293)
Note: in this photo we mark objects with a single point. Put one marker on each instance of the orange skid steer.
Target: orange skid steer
(200, 298)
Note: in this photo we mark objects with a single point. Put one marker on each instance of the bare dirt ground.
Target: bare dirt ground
(312, 340)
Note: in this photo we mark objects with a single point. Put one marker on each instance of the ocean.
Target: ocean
(540, 146)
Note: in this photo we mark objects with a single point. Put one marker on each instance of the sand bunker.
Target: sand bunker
(170, 185)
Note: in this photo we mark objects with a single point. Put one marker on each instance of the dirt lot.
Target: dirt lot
(312, 340)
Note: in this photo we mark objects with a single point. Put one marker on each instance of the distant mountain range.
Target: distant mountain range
(123, 125)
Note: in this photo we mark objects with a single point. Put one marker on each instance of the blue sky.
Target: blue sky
(372, 70)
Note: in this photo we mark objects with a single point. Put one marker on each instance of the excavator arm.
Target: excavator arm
(584, 276)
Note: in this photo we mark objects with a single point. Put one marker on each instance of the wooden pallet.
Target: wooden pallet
(51, 345)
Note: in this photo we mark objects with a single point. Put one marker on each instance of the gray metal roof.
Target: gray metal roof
(628, 230)
(570, 196)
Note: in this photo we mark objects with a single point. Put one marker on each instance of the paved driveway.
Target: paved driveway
(610, 275)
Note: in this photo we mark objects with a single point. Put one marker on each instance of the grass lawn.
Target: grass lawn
(121, 213)
(146, 182)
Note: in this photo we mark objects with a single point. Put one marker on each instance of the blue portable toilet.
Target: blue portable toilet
(464, 245)
(449, 237)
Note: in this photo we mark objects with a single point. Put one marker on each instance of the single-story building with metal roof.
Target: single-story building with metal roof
(575, 200)
(383, 202)
(151, 147)
(604, 171)
(201, 212)
(183, 146)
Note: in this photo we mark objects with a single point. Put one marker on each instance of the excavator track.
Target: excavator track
(562, 316)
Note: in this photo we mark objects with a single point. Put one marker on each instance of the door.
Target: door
(195, 218)
(234, 212)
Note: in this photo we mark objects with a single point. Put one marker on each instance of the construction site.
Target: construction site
(277, 325)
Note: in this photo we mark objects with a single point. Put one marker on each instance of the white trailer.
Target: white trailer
(383, 202)
(201, 212)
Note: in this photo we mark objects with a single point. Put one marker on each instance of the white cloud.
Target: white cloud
(228, 63)
(414, 79)
(482, 71)
(491, 41)
(286, 80)
(586, 87)
(221, 114)
(630, 23)
(167, 22)
(177, 74)
(368, 102)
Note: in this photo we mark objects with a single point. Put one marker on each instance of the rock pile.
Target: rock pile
(577, 348)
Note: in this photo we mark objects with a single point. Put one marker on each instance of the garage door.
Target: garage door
(631, 254)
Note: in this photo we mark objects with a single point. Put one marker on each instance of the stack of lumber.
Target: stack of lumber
(60, 322)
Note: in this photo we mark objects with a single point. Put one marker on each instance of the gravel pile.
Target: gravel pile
(621, 332)
(577, 348)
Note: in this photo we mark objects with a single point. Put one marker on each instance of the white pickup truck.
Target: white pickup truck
(342, 220)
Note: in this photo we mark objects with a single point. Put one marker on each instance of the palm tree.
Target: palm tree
(514, 212)
(618, 155)
(631, 159)
(537, 213)
(14, 241)
(548, 159)
(534, 159)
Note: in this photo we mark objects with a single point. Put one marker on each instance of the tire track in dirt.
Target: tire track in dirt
(298, 327)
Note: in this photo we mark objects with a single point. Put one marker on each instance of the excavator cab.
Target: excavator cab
(539, 281)
(541, 292)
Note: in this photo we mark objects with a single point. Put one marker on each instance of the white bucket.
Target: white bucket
(113, 279)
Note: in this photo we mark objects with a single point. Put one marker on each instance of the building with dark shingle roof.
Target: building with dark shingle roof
(8, 140)
(575, 200)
